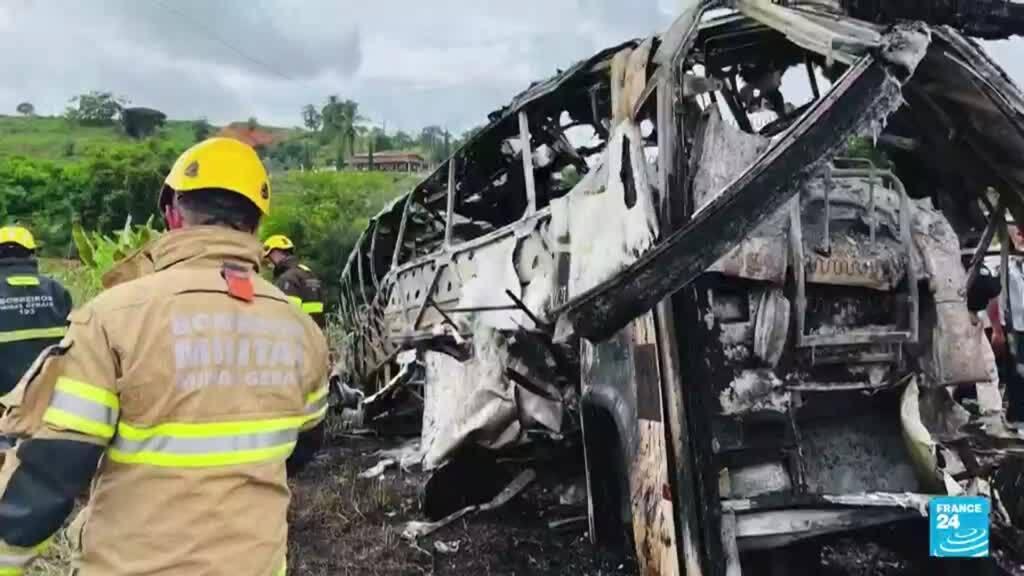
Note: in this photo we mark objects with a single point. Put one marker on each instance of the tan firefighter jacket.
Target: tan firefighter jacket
(193, 384)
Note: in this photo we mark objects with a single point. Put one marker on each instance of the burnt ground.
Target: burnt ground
(344, 525)
(341, 524)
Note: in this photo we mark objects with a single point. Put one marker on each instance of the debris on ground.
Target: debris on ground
(342, 524)
(573, 522)
(378, 469)
(414, 530)
(446, 547)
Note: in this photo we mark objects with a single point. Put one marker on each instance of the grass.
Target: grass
(56, 560)
(71, 274)
(59, 140)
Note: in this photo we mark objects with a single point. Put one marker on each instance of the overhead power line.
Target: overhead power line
(214, 36)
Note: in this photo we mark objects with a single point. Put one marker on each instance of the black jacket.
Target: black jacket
(33, 315)
(302, 287)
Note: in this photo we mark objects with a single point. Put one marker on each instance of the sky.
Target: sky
(409, 63)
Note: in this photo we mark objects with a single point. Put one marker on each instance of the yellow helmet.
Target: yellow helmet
(223, 163)
(17, 235)
(277, 242)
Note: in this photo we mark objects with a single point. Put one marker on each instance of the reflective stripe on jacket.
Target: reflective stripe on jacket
(197, 398)
(33, 315)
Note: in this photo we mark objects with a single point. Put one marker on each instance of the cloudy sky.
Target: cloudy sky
(407, 62)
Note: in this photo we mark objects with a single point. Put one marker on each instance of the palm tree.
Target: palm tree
(311, 117)
(350, 118)
(339, 123)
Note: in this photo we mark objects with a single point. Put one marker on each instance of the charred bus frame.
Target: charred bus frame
(406, 283)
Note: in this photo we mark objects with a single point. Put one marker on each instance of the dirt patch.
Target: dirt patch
(255, 136)
(342, 524)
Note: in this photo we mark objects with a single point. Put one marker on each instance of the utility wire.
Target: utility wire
(211, 34)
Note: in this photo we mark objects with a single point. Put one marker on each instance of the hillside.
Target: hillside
(60, 140)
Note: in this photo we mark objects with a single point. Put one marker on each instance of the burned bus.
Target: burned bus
(731, 255)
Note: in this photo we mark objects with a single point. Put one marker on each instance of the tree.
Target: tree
(467, 136)
(26, 109)
(141, 122)
(252, 123)
(95, 108)
(350, 114)
(330, 117)
(432, 140)
(362, 139)
(381, 141)
(339, 158)
(402, 141)
(201, 129)
(339, 124)
(307, 156)
(431, 136)
(330, 114)
(311, 117)
(289, 154)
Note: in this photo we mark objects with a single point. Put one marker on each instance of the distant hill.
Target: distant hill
(60, 140)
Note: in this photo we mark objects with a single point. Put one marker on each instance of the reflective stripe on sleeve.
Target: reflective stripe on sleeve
(83, 408)
(318, 395)
(32, 334)
(23, 281)
(193, 445)
(316, 407)
(14, 564)
(296, 301)
(313, 307)
(14, 560)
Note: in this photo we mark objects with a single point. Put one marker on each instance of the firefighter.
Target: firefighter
(178, 398)
(33, 308)
(33, 311)
(303, 288)
(295, 279)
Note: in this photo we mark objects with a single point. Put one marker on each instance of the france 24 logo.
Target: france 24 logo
(958, 526)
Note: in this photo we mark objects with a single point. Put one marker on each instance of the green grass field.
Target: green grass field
(61, 140)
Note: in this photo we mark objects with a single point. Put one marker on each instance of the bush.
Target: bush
(99, 190)
(141, 122)
(98, 253)
(71, 275)
(102, 188)
(324, 212)
(201, 130)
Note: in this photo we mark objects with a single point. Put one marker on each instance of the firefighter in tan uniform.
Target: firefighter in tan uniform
(179, 396)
